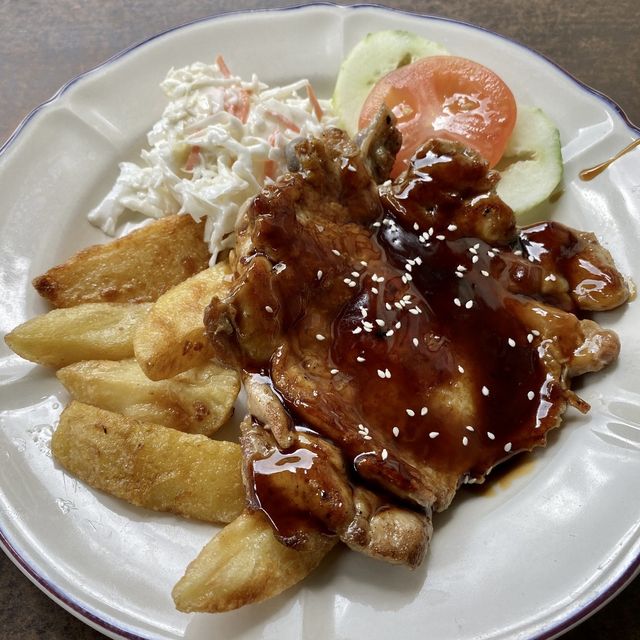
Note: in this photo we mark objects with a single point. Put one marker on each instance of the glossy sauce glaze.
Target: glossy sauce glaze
(594, 172)
(439, 344)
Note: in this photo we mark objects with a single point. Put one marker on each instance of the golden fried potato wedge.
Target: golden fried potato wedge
(149, 465)
(172, 339)
(138, 267)
(244, 564)
(100, 330)
(197, 401)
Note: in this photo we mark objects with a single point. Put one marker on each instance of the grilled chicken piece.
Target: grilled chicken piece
(306, 487)
(414, 335)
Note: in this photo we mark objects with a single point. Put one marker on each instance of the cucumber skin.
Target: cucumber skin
(373, 57)
(530, 181)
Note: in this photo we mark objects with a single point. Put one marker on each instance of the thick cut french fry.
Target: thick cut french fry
(100, 330)
(197, 401)
(138, 267)
(149, 465)
(245, 564)
(172, 339)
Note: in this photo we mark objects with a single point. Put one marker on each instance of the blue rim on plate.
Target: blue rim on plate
(102, 622)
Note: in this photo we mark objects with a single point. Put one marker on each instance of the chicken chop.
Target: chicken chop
(399, 340)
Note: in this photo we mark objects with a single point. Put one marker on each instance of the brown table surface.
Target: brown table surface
(44, 44)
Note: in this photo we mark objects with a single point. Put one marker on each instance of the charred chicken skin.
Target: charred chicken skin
(399, 339)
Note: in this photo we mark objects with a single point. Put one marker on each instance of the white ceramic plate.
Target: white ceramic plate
(527, 559)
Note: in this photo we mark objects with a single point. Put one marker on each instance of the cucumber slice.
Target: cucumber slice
(372, 58)
(532, 162)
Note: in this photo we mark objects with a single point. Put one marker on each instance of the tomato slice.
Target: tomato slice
(445, 97)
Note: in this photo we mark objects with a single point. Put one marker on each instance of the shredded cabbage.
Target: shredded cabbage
(219, 139)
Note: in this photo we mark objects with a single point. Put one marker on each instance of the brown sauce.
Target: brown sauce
(594, 172)
(435, 359)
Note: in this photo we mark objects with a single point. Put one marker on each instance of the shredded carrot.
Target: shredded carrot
(193, 158)
(240, 107)
(222, 65)
(285, 122)
(269, 168)
(313, 98)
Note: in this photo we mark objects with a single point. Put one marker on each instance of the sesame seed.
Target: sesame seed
(381, 373)
(457, 302)
(460, 368)
(367, 325)
(397, 305)
(461, 267)
(357, 330)
(469, 428)
(319, 275)
(531, 259)
(430, 231)
(424, 411)
(355, 274)
(398, 324)
(352, 284)
(367, 437)
(474, 259)
(459, 274)
(416, 342)
(389, 333)
(408, 267)
(346, 280)
(465, 441)
(364, 263)
(512, 342)
(387, 373)
(410, 412)
(530, 338)
(551, 278)
(485, 391)
(384, 454)
(485, 273)
(507, 447)
(473, 250)
(363, 311)
(387, 306)
(376, 224)
(418, 260)
(319, 337)
(439, 237)
(416, 226)
(452, 227)
(360, 359)
(380, 322)
(406, 297)
(535, 332)
(476, 246)
(531, 395)
(395, 431)
(490, 435)
(333, 372)
(408, 276)
(268, 309)
(434, 434)
(517, 252)
(335, 252)
(491, 254)
(374, 290)
(468, 304)
(414, 311)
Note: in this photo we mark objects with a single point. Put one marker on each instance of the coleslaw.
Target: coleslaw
(218, 141)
